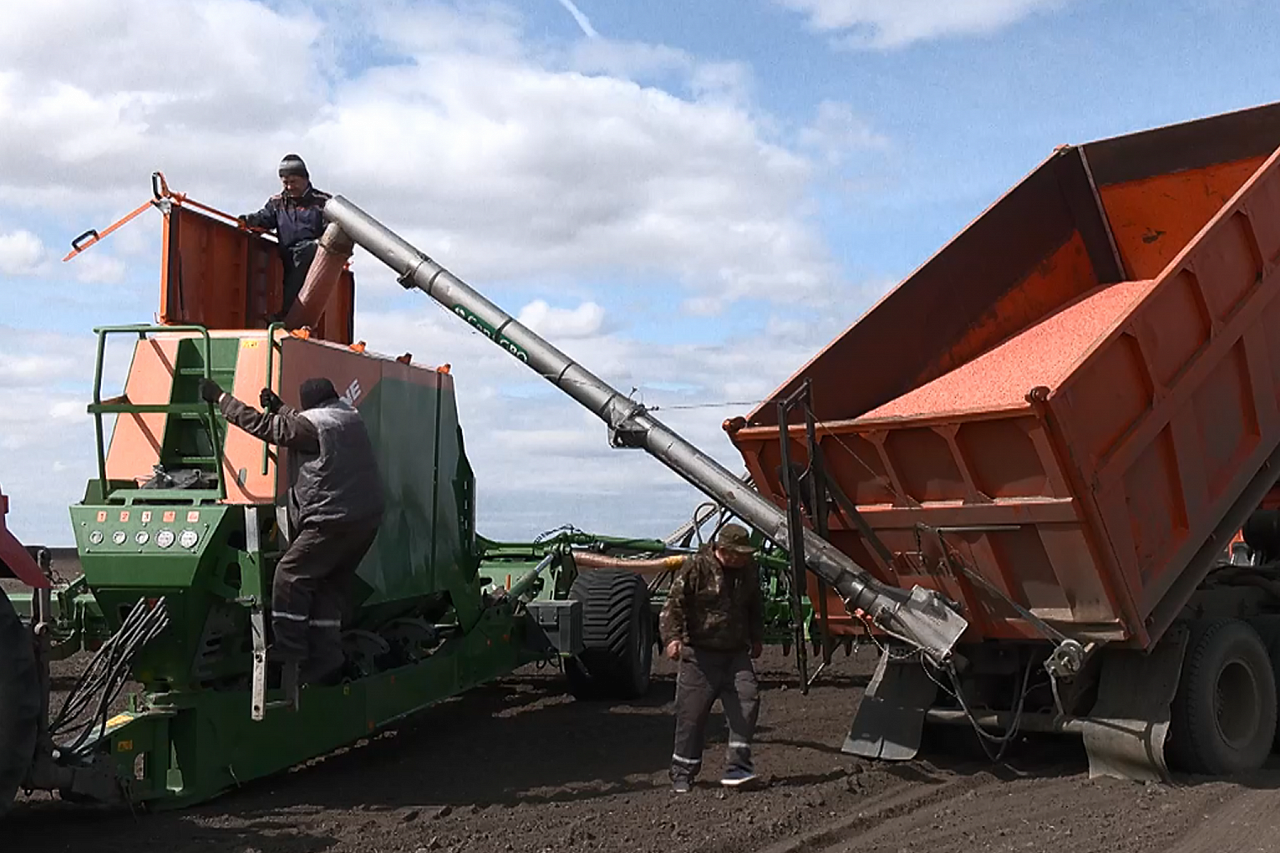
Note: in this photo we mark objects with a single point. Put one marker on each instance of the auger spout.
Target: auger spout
(922, 617)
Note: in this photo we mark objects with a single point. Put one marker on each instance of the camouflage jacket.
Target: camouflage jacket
(710, 607)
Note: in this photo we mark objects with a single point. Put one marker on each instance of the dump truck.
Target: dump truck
(1067, 422)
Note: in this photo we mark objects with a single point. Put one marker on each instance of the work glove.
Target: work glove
(210, 391)
(270, 401)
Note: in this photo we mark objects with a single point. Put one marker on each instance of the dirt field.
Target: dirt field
(519, 766)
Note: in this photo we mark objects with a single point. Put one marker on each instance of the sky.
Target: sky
(690, 197)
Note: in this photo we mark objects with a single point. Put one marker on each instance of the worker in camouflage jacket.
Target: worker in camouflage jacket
(335, 509)
(713, 624)
(296, 215)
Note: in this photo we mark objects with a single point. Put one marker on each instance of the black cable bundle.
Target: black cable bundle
(106, 675)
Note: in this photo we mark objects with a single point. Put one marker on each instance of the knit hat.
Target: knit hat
(292, 165)
(315, 392)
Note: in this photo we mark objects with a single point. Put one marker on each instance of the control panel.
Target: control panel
(144, 530)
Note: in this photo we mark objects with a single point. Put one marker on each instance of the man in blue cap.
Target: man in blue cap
(296, 215)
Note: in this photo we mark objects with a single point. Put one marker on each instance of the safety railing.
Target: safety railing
(271, 349)
(121, 405)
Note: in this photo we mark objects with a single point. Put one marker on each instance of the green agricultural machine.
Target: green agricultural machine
(180, 529)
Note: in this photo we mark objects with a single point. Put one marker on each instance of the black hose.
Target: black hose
(985, 737)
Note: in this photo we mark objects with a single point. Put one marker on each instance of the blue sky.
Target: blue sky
(692, 197)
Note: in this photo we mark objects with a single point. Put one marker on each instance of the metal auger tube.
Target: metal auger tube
(922, 618)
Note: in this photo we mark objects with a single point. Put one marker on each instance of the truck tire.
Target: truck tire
(1224, 712)
(617, 636)
(1268, 628)
(19, 702)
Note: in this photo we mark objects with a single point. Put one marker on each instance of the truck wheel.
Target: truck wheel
(19, 702)
(1224, 713)
(1268, 628)
(617, 636)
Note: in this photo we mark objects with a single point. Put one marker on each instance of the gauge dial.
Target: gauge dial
(141, 537)
(95, 538)
(164, 538)
(188, 538)
(119, 537)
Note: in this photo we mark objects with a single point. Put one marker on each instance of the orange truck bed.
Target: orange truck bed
(1081, 391)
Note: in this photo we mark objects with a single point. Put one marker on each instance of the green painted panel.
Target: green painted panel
(421, 549)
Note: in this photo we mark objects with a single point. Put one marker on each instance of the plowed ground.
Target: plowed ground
(520, 766)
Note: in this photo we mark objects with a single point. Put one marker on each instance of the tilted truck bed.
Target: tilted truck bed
(1080, 390)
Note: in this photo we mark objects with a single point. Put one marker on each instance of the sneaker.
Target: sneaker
(735, 776)
(681, 786)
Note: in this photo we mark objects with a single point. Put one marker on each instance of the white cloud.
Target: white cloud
(97, 267)
(21, 253)
(585, 320)
(837, 132)
(628, 60)
(895, 23)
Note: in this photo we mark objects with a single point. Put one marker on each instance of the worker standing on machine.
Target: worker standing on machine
(335, 508)
(297, 216)
(714, 618)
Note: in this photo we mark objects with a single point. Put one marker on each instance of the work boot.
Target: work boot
(737, 775)
(681, 785)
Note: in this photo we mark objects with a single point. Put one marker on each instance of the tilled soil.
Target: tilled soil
(520, 766)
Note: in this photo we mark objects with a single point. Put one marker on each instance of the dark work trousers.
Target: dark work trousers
(297, 260)
(309, 593)
(704, 676)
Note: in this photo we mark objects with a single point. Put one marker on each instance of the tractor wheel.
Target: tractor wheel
(19, 702)
(1224, 713)
(617, 636)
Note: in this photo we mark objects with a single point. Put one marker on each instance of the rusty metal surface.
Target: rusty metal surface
(217, 275)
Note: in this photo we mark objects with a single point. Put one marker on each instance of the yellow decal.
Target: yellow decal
(118, 719)
(124, 746)
(249, 344)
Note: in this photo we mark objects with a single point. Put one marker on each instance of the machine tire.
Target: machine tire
(1268, 628)
(1224, 712)
(617, 636)
(19, 702)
